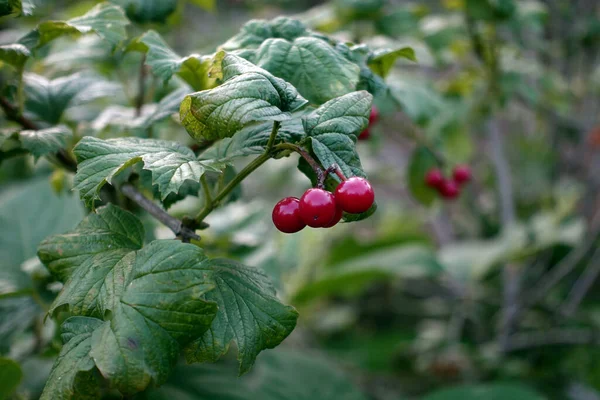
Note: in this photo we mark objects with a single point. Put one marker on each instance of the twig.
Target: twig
(582, 285)
(139, 103)
(558, 336)
(319, 171)
(171, 222)
(13, 114)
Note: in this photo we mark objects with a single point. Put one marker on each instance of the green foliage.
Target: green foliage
(106, 20)
(496, 391)
(100, 161)
(421, 161)
(248, 94)
(15, 55)
(45, 141)
(10, 377)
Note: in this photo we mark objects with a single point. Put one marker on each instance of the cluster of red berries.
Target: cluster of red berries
(319, 208)
(448, 188)
(373, 118)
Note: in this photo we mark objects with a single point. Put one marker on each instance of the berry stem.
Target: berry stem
(333, 168)
(319, 171)
(257, 162)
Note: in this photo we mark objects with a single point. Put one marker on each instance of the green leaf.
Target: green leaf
(159, 305)
(253, 140)
(254, 32)
(10, 377)
(106, 20)
(369, 81)
(493, 391)
(48, 99)
(382, 61)
(249, 314)
(125, 119)
(86, 258)
(72, 376)
(334, 128)
(143, 11)
(313, 66)
(53, 214)
(418, 100)
(248, 94)
(420, 163)
(45, 141)
(99, 161)
(351, 276)
(15, 55)
(278, 374)
(165, 63)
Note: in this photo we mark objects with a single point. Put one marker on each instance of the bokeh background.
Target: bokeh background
(491, 296)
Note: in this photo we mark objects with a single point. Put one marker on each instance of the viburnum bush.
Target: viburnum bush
(129, 307)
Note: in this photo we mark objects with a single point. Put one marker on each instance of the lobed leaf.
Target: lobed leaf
(99, 161)
(72, 374)
(249, 314)
(256, 31)
(45, 141)
(87, 258)
(248, 94)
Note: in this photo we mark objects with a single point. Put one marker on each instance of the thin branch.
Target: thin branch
(139, 102)
(582, 286)
(12, 113)
(552, 337)
(157, 212)
(307, 157)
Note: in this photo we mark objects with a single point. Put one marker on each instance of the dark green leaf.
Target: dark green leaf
(313, 66)
(45, 141)
(143, 11)
(334, 128)
(15, 55)
(86, 258)
(494, 391)
(159, 305)
(72, 375)
(382, 61)
(248, 94)
(165, 62)
(106, 20)
(99, 161)
(278, 374)
(10, 377)
(420, 163)
(48, 99)
(253, 140)
(249, 314)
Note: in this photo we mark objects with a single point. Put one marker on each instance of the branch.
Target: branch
(157, 212)
(558, 336)
(582, 286)
(13, 114)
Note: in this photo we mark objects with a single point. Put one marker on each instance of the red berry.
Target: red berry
(449, 190)
(434, 178)
(355, 195)
(337, 218)
(461, 174)
(374, 117)
(286, 215)
(317, 208)
(364, 135)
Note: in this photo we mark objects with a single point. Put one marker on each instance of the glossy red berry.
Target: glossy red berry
(461, 174)
(374, 117)
(286, 215)
(449, 190)
(336, 219)
(364, 135)
(355, 195)
(317, 208)
(434, 178)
